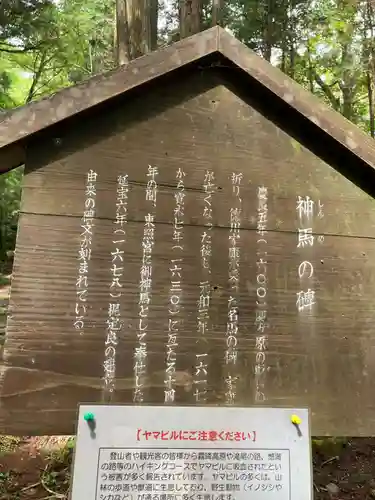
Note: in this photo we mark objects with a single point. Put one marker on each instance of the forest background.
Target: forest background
(328, 46)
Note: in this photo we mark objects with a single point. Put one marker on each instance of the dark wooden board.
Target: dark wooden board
(322, 359)
(310, 360)
(213, 130)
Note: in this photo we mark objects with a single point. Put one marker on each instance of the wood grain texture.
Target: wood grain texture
(323, 360)
(215, 126)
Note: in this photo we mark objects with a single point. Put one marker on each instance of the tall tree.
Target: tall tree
(20, 21)
(191, 12)
(141, 25)
(369, 60)
(154, 17)
(217, 12)
(122, 33)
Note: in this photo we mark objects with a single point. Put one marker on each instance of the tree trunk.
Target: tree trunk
(284, 40)
(217, 12)
(348, 82)
(268, 31)
(190, 17)
(371, 107)
(151, 8)
(122, 33)
(139, 28)
(154, 14)
(292, 38)
(369, 50)
(310, 68)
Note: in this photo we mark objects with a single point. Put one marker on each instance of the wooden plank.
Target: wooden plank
(320, 357)
(218, 137)
(310, 360)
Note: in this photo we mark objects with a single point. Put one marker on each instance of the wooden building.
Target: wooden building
(195, 229)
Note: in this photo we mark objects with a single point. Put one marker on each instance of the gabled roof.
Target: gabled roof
(335, 138)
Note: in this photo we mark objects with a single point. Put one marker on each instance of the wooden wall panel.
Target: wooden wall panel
(214, 130)
(323, 358)
(310, 358)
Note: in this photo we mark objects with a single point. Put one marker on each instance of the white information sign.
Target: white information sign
(192, 453)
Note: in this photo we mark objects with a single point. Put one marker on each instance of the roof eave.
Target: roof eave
(319, 114)
(19, 124)
(11, 157)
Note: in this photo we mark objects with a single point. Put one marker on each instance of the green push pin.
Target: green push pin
(90, 419)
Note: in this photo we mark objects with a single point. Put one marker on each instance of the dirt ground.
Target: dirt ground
(35, 468)
(40, 468)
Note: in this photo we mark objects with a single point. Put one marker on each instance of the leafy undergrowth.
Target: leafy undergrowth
(4, 280)
(40, 468)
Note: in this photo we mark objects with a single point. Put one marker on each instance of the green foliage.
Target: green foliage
(10, 189)
(4, 281)
(21, 19)
(328, 46)
(45, 46)
(328, 447)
